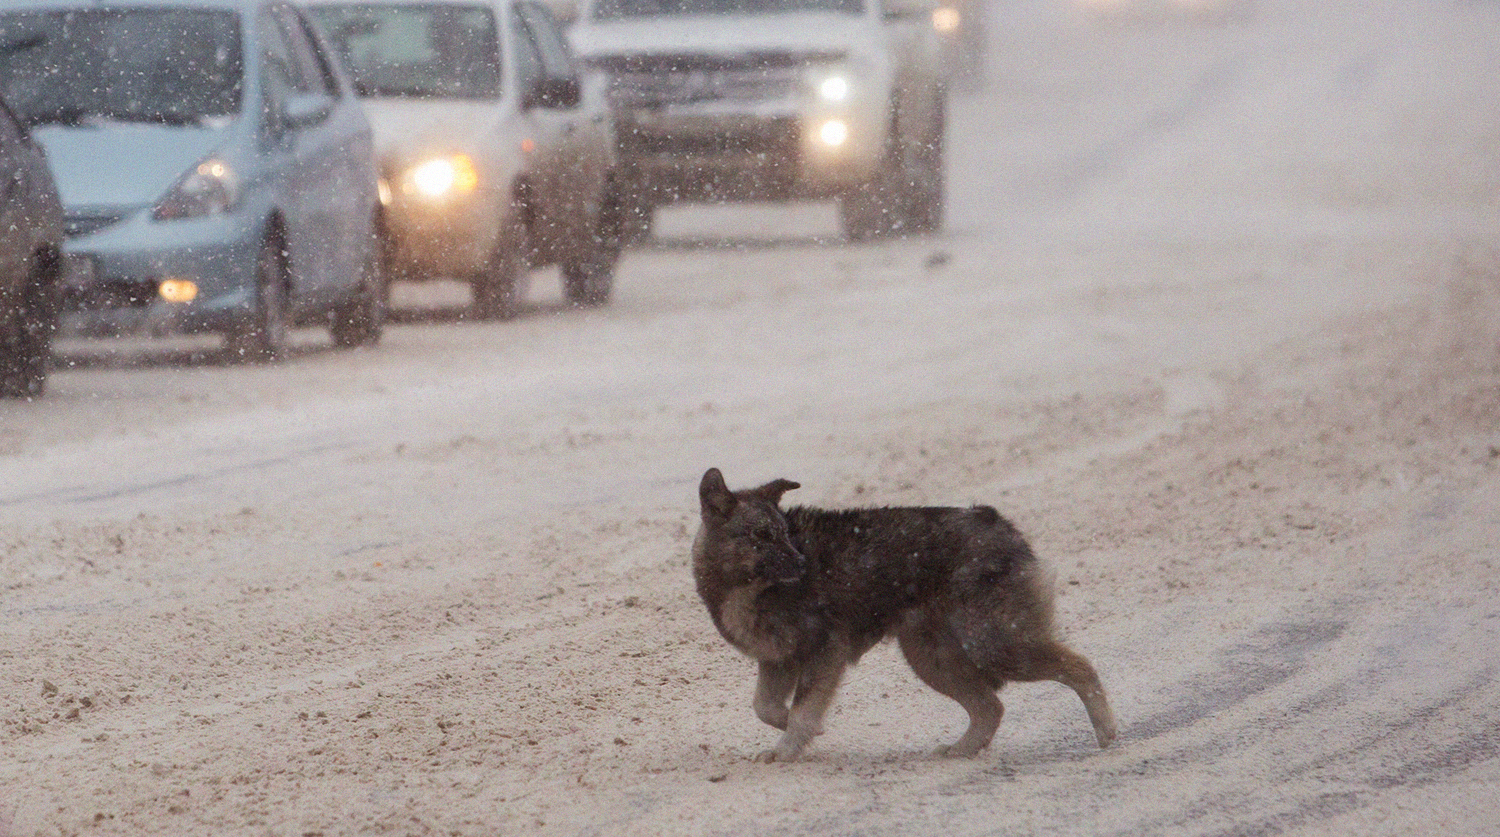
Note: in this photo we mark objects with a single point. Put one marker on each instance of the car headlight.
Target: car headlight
(209, 188)
(831, 84)
(945, 20)
(834, 88)
(834, 132)
(440, 177)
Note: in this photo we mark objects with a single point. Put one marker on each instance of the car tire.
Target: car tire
(637, 218)
(24, 358)
(264, 336)
(906, 193)
(587, 283)
(876, 208)
(588, 277)
(928, 180)
(359, 320)
(500, 286)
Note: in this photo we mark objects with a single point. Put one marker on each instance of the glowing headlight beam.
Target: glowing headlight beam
(442, 176)
(833, 133)
(834, 89)
(945, 19)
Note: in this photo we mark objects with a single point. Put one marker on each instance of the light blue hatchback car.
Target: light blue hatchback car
(215, 168)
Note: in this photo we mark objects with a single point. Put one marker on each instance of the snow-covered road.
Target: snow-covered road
(1216, 321)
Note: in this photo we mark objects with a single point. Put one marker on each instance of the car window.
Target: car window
(528, 60)
(322, 66)
(278, 67)
(305, 74)
(158, 64)
(416, 50)
(557, 58)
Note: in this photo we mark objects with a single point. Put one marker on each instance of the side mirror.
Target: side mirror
(562, 93)
(302, 110)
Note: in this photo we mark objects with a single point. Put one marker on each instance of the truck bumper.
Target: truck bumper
(728, 156)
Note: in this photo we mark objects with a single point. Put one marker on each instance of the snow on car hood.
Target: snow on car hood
(122, 164)
(795, 32)
(407, 128)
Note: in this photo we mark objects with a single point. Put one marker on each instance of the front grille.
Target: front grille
(777, 140)
(655, 80)
(686, 86)
(111, 293)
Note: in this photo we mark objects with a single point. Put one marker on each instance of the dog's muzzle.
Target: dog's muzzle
(786, 566)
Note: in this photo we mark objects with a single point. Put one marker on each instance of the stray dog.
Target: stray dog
(806, 592)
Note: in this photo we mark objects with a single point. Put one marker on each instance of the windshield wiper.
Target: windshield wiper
(23, 43)
(158, 117)
(75, 117)
(71, 116)
(405, 92)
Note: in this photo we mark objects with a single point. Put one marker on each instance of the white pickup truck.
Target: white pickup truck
(724, 100)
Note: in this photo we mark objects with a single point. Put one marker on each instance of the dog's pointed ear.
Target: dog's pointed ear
(773, 490)
(718, 501)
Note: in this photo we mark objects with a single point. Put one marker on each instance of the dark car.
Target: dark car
(216, 168)
(30, 258)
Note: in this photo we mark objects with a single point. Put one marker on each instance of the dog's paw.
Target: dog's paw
(1106, 734)
(954, 751)
(780, 753)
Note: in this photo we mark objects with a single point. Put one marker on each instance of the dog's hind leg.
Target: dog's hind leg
(772, 690)
(1054, 661)
(1078, 674)
(935, 654)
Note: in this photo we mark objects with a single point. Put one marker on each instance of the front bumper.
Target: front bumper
(450, 236)
(114, 274)
(716, 151)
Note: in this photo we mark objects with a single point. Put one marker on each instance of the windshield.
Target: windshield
(174, 66)
(417, 51)
(615, 9)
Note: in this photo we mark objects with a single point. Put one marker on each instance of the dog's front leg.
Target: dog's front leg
(815, 689)
(772, 689)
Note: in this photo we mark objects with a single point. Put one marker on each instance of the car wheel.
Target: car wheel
(927, 185)
(24, 357)
(588, 283)
(264, 336)
(500, 286)
(636, 221)
(358, 321)
(874, 209)
(905, 195)
(588, 277)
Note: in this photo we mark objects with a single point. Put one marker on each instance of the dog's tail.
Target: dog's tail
(1040, 580)
(1031, 593)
